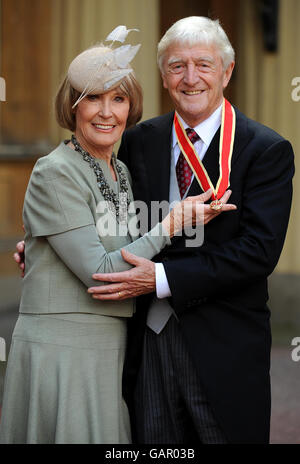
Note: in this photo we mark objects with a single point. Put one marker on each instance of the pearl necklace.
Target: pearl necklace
(107, 193)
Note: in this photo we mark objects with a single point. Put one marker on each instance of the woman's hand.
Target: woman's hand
(192, 212)
(19, 256)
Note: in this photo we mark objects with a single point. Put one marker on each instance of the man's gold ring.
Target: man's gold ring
(216, 205)
(119, 293)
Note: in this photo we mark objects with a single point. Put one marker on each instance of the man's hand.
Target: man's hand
(127, 284)
(19, 256)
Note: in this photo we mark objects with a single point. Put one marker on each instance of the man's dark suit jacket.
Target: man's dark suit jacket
(219, 290)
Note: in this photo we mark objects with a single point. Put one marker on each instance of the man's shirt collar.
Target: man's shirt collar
(206, 129)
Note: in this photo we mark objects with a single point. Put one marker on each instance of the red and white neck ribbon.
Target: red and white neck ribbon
(225, 149)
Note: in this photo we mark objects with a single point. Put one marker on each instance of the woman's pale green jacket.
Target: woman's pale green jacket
(63, 195)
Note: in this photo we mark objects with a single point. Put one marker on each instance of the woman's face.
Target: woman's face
(101, 120)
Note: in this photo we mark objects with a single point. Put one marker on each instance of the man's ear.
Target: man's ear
(228, 74)
(164, 80)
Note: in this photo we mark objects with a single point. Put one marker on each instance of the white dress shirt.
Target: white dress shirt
(206, 131)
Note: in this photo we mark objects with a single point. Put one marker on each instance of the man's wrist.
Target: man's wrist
(168, 224)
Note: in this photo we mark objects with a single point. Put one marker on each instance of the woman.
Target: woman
(63, 382)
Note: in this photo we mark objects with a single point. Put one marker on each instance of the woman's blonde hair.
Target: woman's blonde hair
(67, 96)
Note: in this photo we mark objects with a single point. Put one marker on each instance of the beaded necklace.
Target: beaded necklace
(108, 194)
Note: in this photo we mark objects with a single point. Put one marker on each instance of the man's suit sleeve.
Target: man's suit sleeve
(220, 269)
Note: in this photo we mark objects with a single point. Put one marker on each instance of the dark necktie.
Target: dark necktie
(183, 171)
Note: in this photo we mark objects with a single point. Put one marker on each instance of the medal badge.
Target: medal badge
(227, 134)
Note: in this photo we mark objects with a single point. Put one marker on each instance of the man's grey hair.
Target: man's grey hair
(195, 30)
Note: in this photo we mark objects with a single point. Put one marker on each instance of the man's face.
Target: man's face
(195, 79)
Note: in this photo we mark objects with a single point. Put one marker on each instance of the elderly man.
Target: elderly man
(204, 370)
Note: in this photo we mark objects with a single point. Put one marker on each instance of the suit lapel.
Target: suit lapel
(211, 158)
(242, 135)
(157, 151)
(211, 164)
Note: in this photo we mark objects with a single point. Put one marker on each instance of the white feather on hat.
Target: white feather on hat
(100, 68)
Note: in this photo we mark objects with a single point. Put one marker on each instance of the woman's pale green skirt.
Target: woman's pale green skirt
(64, 381)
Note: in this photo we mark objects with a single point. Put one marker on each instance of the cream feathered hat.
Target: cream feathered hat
(100, 68)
